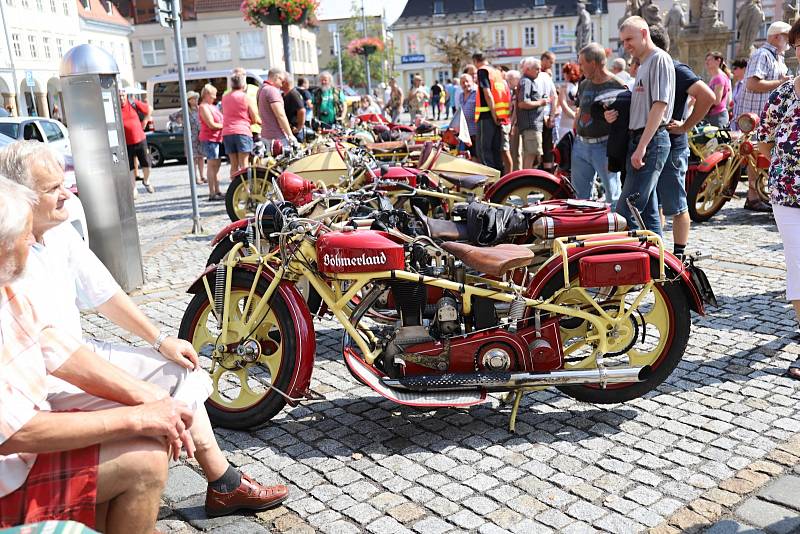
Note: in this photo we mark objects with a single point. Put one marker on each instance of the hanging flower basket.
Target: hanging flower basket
(364, 46)
(260, 13)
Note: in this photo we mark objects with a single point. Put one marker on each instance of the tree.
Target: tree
(353, 69)
(456, 50)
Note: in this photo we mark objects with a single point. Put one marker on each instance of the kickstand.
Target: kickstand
(512, 422)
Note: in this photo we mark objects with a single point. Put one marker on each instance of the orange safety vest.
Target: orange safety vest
(500, 93)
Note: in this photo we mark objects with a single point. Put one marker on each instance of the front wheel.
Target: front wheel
(526, 191)
(242, 198)
(655, 335)
(247, 362)
(762, 184)
(707, 194)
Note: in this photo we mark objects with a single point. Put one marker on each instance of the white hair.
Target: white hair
(15, 209)
(529, 63)
(274, 72)
(513, 75)
(16, 161)
(619, 64)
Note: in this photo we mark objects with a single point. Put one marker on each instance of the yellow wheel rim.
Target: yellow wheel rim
(238, 384)
(762, 184)
(525, 196)
(712, 193)
(244, 202)
(637, 338)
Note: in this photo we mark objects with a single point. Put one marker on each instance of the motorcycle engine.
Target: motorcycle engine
(446, 319)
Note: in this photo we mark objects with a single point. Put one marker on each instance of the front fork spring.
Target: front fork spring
(219, 292)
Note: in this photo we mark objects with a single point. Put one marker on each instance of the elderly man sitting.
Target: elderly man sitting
(66, 275)
(104, 468)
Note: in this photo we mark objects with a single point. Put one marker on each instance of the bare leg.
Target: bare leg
(530, 161)
(681, 224)
(752, 193)
(207, 451)
(130, 480)
(213, 181)
(199, 163)
(508, 164)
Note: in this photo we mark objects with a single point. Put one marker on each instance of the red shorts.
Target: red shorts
(61, 486)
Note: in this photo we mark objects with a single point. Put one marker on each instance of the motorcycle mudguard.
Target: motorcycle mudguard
(563, 185)
(228, 230)
(712, 161)
(554, 268)
(305, 338)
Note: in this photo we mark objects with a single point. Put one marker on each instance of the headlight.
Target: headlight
(747, 122)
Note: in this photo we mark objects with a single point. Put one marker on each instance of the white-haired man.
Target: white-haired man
(531, 100)
(104, 468)
(619, 69)
(274, 123)
(652, 101)
(68, 277)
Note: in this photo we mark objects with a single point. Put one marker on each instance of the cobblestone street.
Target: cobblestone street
(715, 447)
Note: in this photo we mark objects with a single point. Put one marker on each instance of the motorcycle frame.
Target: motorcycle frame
(337, 299)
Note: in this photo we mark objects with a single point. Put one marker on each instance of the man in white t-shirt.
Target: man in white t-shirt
(64, 276)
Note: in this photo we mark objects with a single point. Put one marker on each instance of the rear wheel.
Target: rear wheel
(526, 191)
(706, 195)
(156, 157)
(762, 184)
(242, 397)
(655, 335)
(240, 201)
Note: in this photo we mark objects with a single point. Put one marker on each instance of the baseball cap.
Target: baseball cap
(778, 27)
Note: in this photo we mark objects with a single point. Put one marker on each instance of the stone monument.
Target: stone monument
(583, 29)
(676, 21)
(790, 11)
(650, 12)
(704, 32)
(749, 20)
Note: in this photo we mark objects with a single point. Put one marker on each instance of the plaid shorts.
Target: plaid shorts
(61, 486)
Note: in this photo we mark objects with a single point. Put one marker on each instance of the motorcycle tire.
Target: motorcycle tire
(546, 188)
(674, 303)
(236, 195)
(695, 195)
(277, 328)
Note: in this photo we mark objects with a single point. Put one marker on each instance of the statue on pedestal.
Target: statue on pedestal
(676, 21)
(651, 13)
(631, 8)
(749, 21)
(790, 11)
(709, 18)
(583, 30)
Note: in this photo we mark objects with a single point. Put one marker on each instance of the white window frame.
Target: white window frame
(500, 37)
(218, 47)
(244, 43)
(33, 46)
(558, 33)
(16, 44)
(438, 4)
(191, 54)
(48, 53)
(53, 6)
(529, 36)
(479, 6)
(60, 47)
(65, 5)
(412, 43)
(157, 55)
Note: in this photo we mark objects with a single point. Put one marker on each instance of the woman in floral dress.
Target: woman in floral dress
(194, 129)
(779, 138)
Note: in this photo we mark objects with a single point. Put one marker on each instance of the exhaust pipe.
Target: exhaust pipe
(506, 381)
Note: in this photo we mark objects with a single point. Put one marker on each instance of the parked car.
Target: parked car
(49, 131)
(166, 144)
(77, 217)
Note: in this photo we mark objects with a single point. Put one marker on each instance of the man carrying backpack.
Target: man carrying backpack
(134, 114)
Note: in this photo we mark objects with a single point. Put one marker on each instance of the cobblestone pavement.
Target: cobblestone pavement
(692, 454)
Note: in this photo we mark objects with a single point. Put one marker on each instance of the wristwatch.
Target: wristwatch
(159, 340)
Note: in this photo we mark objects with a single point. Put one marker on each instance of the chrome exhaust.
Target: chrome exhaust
(507, 381)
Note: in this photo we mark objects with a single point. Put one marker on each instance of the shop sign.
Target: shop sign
(506, 52)
(412, 58)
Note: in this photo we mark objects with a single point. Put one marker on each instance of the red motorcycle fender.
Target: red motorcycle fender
(228, 230)
(554, 268)
(562, 184)
(305, 338)
(712, 161)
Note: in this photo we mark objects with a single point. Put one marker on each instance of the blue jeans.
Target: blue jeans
(672, 182)
(644, 181)
(588, 160)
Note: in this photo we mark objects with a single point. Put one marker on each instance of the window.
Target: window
(60, 47)
(478, 5)
(31, 132)
(251, 45)
(558, 33)
(293, 47)
(153, 52)
(218, 47)
(52, 131)
(530, 36)
(10, 3)
(24, 3)
(332, 28)
(53, 7)
(442, 75)
(500, 37)
(46, 47)
(411, 43)
(438, 7)
(39, 5)
(558, 74)
(190, 54)
(32, 45)
(16, 44)
(86, 5)
(538, 2)
(65, 6)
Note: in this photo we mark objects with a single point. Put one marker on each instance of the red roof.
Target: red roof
(99, 12)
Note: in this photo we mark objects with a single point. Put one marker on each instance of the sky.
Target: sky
(331, 9)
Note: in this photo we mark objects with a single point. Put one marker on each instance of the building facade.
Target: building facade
(37, 34)
(326, 47)
(220, 39)
(510, 30)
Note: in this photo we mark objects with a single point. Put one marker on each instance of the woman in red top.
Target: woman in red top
(238, 114)
(211, 138)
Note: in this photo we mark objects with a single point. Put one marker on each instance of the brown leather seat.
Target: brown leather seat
(494, 261)
(440, 228)
(386, 148)
(464, 182)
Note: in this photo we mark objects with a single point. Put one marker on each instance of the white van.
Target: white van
(164, 97)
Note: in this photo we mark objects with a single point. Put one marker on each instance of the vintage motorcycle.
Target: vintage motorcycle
(605, 319)
(726, 157)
